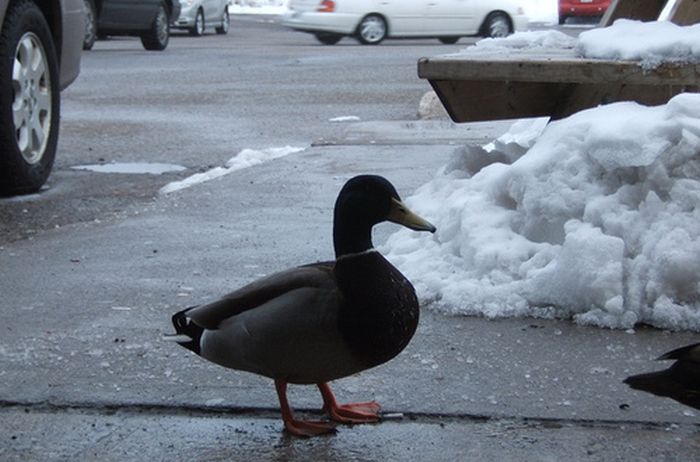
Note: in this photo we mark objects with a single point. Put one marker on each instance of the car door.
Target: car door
(451, 17)
(127, 14)
(405, 17)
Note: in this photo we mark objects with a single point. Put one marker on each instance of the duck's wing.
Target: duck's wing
(261, 291)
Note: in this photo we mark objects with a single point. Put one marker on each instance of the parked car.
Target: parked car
(40, 46)
(148, 19)
(371, 21)
(198, 15)
(590, 8)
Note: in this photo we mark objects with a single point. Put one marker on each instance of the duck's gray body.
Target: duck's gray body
(303, 344)
(310, 324)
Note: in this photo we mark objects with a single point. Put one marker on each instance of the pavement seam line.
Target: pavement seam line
(273, 413)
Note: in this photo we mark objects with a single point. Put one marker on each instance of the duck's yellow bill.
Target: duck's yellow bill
(402, 215)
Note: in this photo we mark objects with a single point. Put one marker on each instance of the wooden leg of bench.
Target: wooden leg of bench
(642, 10)
(685, 12)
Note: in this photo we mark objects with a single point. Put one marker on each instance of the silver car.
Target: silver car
(43, 41)
(198, 15)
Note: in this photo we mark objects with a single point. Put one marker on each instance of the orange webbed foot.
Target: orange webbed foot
(355, 413)
(351, 413)
(309, 428)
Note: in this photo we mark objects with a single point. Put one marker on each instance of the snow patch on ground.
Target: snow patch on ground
(264, 7)
(345, 119)
(244, 159)
(151, 168)
(596, 218)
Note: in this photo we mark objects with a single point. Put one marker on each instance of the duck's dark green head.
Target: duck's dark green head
(363, 202)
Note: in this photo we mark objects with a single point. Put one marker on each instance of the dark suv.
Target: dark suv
(148, 19)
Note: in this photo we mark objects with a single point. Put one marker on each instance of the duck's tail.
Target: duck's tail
(187, 333)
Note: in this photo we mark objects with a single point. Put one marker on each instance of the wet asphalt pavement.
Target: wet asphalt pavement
(86, 376)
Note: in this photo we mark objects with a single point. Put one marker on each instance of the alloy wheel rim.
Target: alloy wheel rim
(162, 25)
(199, 23)
(372, 30)
(226, 22)
(499, 27)
(31, 107)
(89, 22)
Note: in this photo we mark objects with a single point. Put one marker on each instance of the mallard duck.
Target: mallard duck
(681, 381)
(319, 322)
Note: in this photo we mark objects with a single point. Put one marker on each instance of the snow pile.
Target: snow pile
(597, 218)
(244, 159)
(652, 43)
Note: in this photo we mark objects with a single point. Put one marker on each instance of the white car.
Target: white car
(371, 21)
(198, 15)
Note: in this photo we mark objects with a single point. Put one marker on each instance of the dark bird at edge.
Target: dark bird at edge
(680, 382)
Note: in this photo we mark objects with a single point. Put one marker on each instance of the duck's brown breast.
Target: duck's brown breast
(379, 311)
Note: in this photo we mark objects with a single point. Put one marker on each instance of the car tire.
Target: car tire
(372, 30)
(157, 37)
(562, 20)
(496, 25)
(225, 23)
(448, 40)
(90, 25)
(328, 39)
(197, 30)
(27, 60)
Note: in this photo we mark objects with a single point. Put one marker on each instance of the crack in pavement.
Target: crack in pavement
(106, 408)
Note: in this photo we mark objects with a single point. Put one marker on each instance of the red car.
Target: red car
(571, 8)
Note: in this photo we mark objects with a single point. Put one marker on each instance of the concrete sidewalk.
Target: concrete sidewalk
(155, 435)
(86, 376)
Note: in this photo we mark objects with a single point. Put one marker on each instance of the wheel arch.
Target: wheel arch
(54, 18)
(169, 6)
(169, 9)
(98, 6)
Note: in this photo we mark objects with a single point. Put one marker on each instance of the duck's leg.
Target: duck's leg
(299, 427)
(351, 413)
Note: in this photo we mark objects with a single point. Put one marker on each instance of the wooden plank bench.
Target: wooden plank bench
(521, 84)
